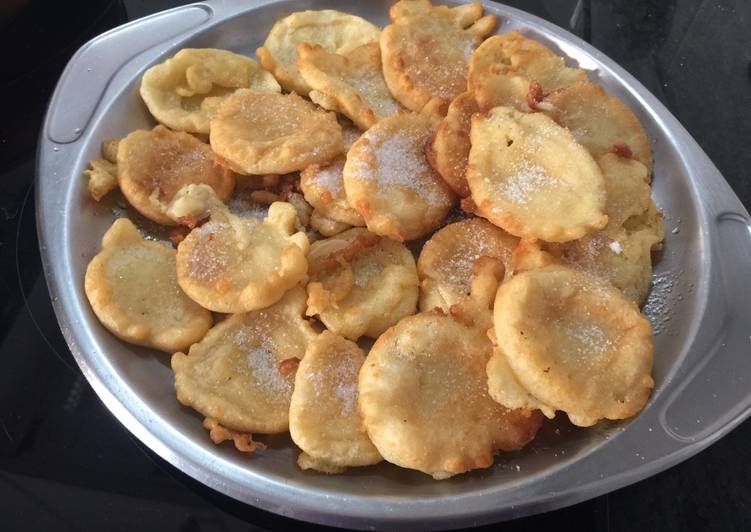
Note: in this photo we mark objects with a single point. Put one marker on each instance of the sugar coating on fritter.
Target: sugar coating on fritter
(361, 284)
(426, 51)
(574, 343)
(152, 166)
(270, 133)
(529, 176)
(238, 264)
(324, 420)
(236, 375)
(446, 263)
(387, 179)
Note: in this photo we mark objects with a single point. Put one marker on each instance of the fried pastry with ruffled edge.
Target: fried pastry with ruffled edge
(426, 51)
(503, 68)
(423, 390)
(334, 31)
(243, 441)
(351, 84)
(323, 188)
(623, 257)
(529, 176)
(388, 180)
(235, 374)
(152, 166)
(102, 178)
(323, 417)
(621, 252)
(239, 264)
(326, 226)
(132, 288)
(575, 343)
(449, 150)
(599, 121)
(361, 284)
(184, 91)
(445, 264)
(270, 133)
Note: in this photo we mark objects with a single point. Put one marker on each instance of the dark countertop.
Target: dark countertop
(67, 464)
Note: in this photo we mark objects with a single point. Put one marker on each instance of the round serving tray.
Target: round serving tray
(700, 304)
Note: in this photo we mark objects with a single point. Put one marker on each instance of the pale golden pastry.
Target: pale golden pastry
(235, 374)
(423, 393)
(449, 150)
(334, 31)
(505, 388)
(326, 226)
(574, 343)
(102, 178)
(152, 166)
(323, 187)
(599, 121)
(351, 83)
(529, 176)
(361, 284)
(243, 441)
(238, 264)
(183, 92)
(446, 262)
(270, 133)
(133, 290)
(109, 149)
(621, 253)
(426, 51)
(323, 417)
(387, 179)
(503, 68)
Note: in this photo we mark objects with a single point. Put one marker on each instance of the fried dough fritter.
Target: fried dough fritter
(448, 152)
(426, 51)
(133, 290)
(323, 418)
(271, 133)
(238, 264)
(387, 179)
(598, 120)
(504, 67)
(333, 31)
(184, 91)
(423, 392)
(361, 284)
(446, 262)
(530, 177)
(351, 83)
(233, 375)
(575, 343)
(152, 166)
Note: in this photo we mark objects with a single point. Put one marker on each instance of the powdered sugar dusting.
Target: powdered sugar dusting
(339, 381)
(208, 262)
(261, 358)
(399, 161)
(526, 182)
(330, 177)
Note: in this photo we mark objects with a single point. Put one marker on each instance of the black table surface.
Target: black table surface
(67, 464)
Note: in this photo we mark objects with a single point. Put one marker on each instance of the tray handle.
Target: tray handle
(714, 394)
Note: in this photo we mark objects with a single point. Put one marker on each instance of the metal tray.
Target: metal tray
(700, 304)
